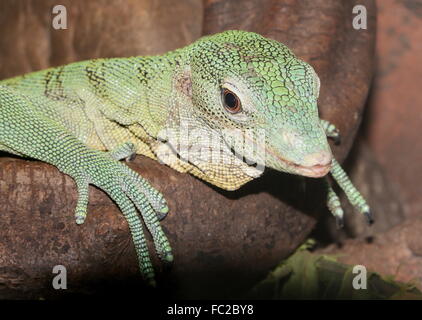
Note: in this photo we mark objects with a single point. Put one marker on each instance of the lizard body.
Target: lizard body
(221, 109)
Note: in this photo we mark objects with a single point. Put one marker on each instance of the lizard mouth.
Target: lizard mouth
(314, 171)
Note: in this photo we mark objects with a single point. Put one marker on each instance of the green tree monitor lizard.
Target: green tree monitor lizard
(221, 109)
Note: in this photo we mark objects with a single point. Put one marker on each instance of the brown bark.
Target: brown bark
(394, 123)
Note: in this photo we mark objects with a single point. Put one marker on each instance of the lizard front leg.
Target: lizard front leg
(340, 176)
(24, 130)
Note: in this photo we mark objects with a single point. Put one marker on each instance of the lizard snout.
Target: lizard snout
(316, 164)
(321, 158)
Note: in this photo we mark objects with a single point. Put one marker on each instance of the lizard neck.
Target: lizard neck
(140, 89)
(138, 95)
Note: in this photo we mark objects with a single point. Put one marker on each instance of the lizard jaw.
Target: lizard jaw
(315, 171)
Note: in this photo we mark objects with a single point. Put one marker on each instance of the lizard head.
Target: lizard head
(261, 99)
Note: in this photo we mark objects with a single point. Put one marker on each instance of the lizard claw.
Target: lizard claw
(339, 222)
(168, 257)
(369, 217)
(163, 211)
(337, 139)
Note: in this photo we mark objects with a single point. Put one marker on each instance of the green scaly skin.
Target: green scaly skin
(86, 116)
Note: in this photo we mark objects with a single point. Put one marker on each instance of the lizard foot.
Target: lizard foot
(352, 194)
(131, 193)
(331, 131)
(337, 172)
(127, 151)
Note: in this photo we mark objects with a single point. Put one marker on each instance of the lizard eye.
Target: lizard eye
(231, 101)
